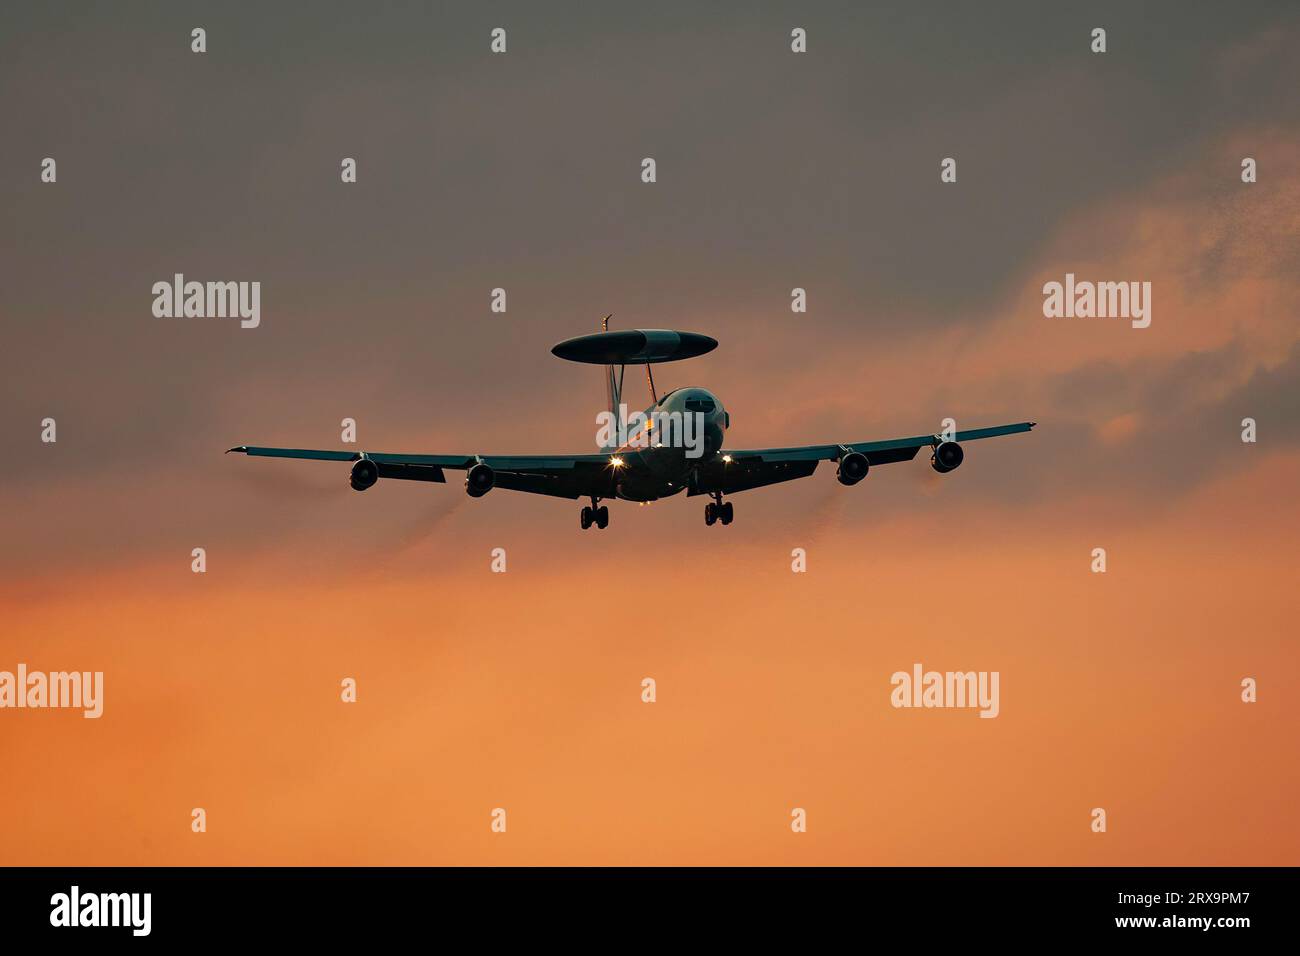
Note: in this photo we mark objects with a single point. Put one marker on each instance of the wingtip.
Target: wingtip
(241, 448)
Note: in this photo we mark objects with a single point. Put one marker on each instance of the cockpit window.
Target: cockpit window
(699, 405)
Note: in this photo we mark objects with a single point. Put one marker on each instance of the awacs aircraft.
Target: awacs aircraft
(642, 464)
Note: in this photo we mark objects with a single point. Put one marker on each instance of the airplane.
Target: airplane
(639, 464)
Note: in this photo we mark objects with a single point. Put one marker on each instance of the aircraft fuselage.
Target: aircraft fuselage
(652, 469)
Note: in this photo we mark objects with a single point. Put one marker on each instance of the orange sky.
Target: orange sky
(523, 690)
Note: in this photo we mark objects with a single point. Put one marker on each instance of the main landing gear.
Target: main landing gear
(593, 515)
(718, 511)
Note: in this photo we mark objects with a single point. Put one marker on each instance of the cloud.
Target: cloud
(925, 304)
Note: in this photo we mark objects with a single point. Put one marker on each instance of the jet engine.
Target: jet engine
(364, 474)
(947, 456)
(853, 468)
(479, 480)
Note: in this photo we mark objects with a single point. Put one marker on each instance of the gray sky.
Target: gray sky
(775, 170)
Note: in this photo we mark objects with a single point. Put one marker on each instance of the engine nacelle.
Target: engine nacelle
(364, 474)
(479, 480)
(853, 468)
(947, 457)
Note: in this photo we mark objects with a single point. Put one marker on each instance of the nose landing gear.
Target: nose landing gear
(718, 511)
(593, 515)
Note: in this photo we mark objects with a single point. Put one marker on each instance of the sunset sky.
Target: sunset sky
(523, 690)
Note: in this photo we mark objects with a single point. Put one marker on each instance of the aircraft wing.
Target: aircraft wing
(754, 468)
(572, 476)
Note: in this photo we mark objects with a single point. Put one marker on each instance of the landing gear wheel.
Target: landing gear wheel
(602, 517)
(719, 510)
(586, 517)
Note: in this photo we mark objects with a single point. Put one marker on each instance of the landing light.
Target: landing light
(616, 462)
(727, 459)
